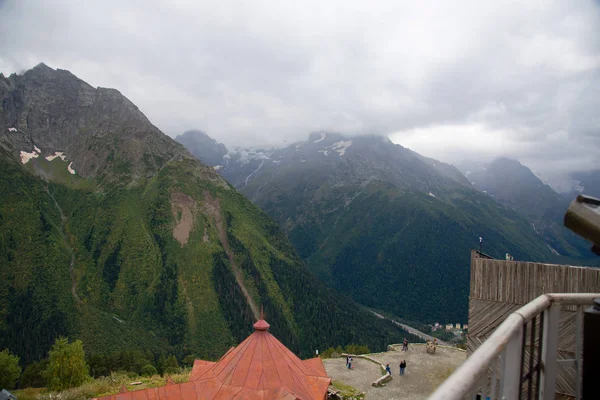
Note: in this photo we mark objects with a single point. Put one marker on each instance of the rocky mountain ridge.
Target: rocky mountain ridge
(57, 112)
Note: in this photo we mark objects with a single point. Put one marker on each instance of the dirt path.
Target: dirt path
(424, 372)
(214, 209)
(412, 330)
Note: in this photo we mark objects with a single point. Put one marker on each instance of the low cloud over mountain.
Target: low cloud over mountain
(459, 80)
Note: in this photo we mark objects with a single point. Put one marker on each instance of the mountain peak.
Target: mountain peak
(42, 67)
(513, 169)
(110, 137)
(202, 146)
(506, 161)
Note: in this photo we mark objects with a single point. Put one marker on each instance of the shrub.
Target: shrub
(148, 370)
(33, 376)
(9, 369)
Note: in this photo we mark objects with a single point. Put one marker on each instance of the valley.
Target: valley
(393, 229)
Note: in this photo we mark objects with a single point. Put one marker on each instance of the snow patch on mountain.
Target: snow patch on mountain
(253, 173)
(12, 129)
(535, 228)
(245, 156)
(70, 168)
(323, 151)
(217, 167)
(37, 149)
(341, 146)
(323, 136)
(25, 156)
(57, 154)
(431, 194)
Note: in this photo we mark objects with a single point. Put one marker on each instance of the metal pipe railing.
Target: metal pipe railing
(506, 347)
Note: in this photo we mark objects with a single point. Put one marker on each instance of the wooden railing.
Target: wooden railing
(519, 360)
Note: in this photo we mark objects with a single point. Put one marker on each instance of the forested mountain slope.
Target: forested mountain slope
(112, 232)
(383, 224)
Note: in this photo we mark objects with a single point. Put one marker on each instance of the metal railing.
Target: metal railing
(519, 359)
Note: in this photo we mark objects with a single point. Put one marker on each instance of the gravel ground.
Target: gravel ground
(424, 372)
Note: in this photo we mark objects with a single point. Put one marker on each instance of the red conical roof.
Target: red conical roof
(261, 367)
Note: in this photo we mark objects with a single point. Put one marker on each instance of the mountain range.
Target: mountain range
(393, 229)
(113, 233)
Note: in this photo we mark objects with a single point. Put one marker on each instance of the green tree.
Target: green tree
(171, 365)
(9, 369)
(189, 360)
(66, 365)
(148, 370)
(34, 375)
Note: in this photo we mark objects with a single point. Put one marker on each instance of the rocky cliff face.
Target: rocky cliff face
(100, 131)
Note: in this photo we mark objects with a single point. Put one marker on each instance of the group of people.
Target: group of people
(402, 367)
(387, 367)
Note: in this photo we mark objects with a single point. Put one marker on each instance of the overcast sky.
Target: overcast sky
(452, 80)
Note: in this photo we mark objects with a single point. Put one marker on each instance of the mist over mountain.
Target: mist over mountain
(113, 233)
(385, 225)
(587, 182)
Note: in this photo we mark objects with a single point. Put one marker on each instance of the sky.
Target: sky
(454, 80)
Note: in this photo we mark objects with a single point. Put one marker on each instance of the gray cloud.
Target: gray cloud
(453, 80)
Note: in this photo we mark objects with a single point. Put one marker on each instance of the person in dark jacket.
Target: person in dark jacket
(402, 367)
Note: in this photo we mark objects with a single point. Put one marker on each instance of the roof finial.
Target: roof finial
(261, 324)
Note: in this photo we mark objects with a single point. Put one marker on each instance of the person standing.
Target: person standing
(349, 362)
(405, 345)
(402, 367)
(388, 369)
